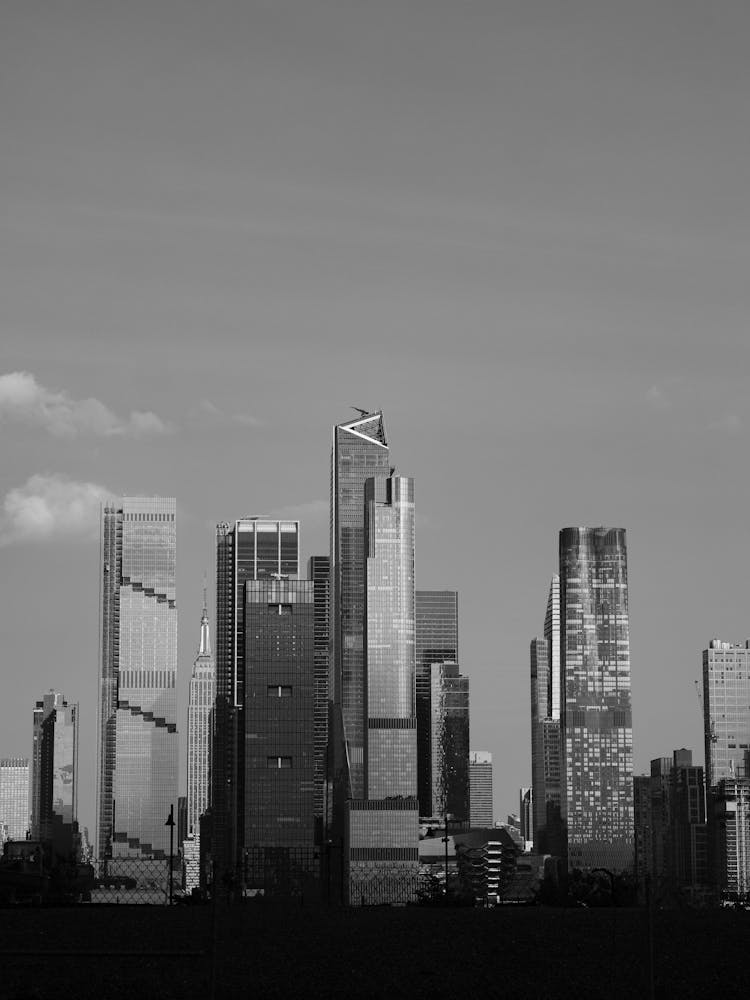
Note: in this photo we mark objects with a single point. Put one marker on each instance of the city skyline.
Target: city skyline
(513, 231)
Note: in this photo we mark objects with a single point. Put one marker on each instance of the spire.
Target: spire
(205, 646)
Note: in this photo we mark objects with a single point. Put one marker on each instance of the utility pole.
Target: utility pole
(170, 824)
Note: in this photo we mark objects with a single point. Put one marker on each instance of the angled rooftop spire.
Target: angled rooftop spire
(367, 425)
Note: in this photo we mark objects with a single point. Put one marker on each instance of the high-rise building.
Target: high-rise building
(726, 710)
(525, 813)
(382, 833)
(448, 704)
(480, 783)
(596, 717)
(360, 451)
(14, 798)
(54, 775)
(200, 728)
(436, 642)
(319, 571)
(137, 731)
(730, 829)
(253, 548)
(279, 849)
(546, 751)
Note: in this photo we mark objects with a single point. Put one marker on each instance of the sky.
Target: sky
(519, 228)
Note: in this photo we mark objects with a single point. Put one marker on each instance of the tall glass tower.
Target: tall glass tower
(137, 738)
(199, 728)
(360, 451)
(596, 716)
(253, 548)
(54, 777)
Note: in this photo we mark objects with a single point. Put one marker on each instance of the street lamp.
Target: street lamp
(445, 838)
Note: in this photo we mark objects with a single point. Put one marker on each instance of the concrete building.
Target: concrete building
(137, 719)
(14, 798)
(480, 785)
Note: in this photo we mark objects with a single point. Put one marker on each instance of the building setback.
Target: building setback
(596, 717)
(480, 783)
(14, 798)
(137, 727)
(54, 775)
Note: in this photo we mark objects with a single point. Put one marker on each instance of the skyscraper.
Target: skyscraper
(319, 571)
(480, 780)
(253, 548)
(14, 798)
(448, 706)
(360, 451)
(137, 731)
(382, 832)
(545, 730)
(436, 642)
(200, 728)
(279, 724)
(54, 774)
(597, 799)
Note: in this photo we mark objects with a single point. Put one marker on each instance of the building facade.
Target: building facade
(480, 789)
(436, 642)
(279, 734)
(54, 775)
(319, 572)
(137, 719)
(726, 710)
(253, 548)
(730, 828)
(449, 743)
(14, 798)
(596, 716)
(200, 728)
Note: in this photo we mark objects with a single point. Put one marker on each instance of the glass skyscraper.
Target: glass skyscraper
(252, 548)
(547, 832)
(449, 743)
(54, 774)
(596, 717)
(436, 642)
(137, 727)
(726, 710)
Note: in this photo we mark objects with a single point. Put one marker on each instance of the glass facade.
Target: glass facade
(319, 569)
(597, 799)
(54, 775)
(360, 450)
(249, 549)
(436, 642)
(14, 798)
(137, 758)
(449, 742)
(279, 733)
(726, 707)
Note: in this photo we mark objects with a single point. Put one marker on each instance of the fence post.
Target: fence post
(170, 824)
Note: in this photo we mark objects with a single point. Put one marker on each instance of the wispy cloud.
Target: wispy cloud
(51, 507)
(729, 423)
(24, 400)
(210, 411)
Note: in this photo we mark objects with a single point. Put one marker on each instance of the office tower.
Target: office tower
(14, 798)
(54, 775)
(597, 798)
(319, 570)
(730, 834)
(525, 812)
(726, 710)
(448, 704)
(642, 841)
(279, 730)
(382, 832)
(360, 451)
(480, 788)
(546, 750)
(200, 728)
(690, 869)
(436, 642)
(137, 737)
(252, 548)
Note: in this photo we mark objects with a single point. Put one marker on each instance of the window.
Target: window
(275, 763)
(279, 691)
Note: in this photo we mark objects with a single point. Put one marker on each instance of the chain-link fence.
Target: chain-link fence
(131, 880)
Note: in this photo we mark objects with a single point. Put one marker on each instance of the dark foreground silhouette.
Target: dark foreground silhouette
(269, 950)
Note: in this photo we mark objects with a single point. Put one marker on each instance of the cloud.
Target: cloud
(661, 394)
(214, 413)
(51, 507)
(730, 423)
(24, 400)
